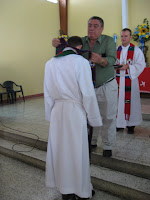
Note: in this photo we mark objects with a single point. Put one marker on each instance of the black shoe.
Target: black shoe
(68, 197)
(130, 129)
(93, 193)
(119, 129)
(107, 153)
(93, 146)
(79, 198)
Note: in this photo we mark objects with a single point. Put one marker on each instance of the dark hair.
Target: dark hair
(74, 41)
(127, 29)
(99, 19)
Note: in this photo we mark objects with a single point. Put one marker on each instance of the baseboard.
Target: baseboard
(26, 97)
(144, 95)
(33, 96)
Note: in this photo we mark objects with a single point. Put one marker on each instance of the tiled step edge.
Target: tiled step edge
(112, 188)
(122, 166)
(23, 158)
(146, 117)
(118, 190)
(39, 144)
(126, 180)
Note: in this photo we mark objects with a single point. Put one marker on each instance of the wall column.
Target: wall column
(124, 13)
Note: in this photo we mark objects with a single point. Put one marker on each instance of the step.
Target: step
(116, 164)
(117, 183)
(146, 117)
(24, 153)
(121, 166)
(124, 185)
(38, 143)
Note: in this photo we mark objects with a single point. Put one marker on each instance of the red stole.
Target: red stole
(127, 79)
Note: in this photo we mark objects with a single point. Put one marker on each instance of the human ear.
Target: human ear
(79, 46)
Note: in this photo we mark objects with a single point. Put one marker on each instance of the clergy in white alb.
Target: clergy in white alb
(132, 59)
(70, 103)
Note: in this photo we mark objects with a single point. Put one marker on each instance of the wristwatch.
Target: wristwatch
(102, 60)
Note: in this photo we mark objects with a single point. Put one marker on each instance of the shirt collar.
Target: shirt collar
(98, 40)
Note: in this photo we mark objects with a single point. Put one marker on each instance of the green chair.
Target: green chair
(3, 91)
(12, 88)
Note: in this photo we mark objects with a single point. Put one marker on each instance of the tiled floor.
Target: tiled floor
(29, 119)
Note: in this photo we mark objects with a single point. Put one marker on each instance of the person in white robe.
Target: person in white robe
(70, 103)
(134, 69)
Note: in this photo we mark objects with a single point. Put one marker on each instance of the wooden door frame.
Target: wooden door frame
(63, 15)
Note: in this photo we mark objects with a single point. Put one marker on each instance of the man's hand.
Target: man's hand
(55, 42)
(96, 58)
(124, 67)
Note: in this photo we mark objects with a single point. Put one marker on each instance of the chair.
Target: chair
(12, 88)
(2, 92)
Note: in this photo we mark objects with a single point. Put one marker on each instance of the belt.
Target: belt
(68, 100)
(105, 82)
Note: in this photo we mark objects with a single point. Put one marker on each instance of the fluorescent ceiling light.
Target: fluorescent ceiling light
(53, 1)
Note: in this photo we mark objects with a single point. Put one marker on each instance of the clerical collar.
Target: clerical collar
(126, 47)
(69, 48)
(65, 53)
